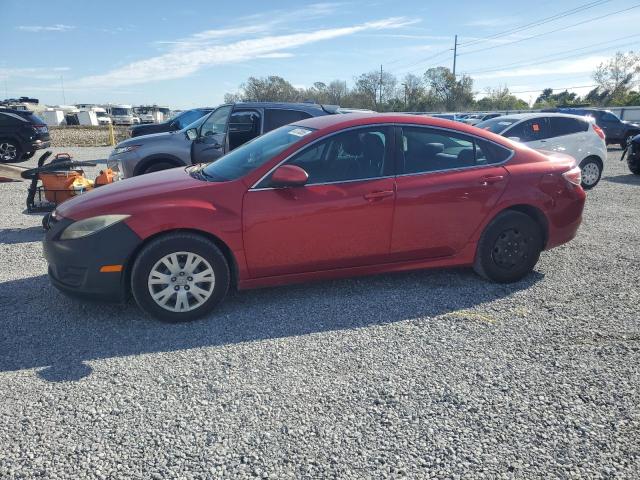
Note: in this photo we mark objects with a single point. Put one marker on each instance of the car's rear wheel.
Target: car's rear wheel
(634, 164)
(509, 247)
(179, 277)
(157, 167)
(591, 169)
(10, 151)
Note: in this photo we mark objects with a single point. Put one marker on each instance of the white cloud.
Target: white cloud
(582, 65)
(39, 73)
(58, 27)
(181, 61)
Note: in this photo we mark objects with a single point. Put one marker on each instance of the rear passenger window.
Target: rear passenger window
(427, 150)
(559, 126)
(275, 118)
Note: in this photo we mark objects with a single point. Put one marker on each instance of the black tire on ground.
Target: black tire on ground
(10, 151)
(634, 164)
(156, 167)
(180, 244)
(509, 247)
(591, 168)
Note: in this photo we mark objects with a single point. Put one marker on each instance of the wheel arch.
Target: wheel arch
(146, 162)
(595, 157)
(224, 248)
(535, 214)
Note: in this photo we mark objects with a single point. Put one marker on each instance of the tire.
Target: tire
(591, 172)
(179, 301)
(497, 259)
(10, 151)
(634, 164)
(157, 167)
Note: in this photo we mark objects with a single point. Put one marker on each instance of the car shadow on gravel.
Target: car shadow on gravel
(629, 179)
(21, 235)
(43, 329)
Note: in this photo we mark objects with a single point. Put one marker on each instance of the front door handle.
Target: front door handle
(378, 195)
(491, 179)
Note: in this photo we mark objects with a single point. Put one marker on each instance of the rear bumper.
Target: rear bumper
(39, 145)
(565, 218)
(74, 265)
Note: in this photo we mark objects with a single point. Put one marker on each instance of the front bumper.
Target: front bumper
(74, 265)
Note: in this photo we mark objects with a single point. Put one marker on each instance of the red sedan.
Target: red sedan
(328, 197)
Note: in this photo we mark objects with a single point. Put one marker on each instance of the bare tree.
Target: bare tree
(412, 91)
(617, 76)
(269, 89)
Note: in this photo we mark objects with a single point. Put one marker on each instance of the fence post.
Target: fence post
(112, 138)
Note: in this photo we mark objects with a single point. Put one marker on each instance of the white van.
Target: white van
(122, 115)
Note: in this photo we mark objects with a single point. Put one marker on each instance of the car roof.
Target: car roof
(313, 108)
(527, 116)
(331, 123)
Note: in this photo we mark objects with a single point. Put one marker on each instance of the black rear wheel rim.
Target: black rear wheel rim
(511, 249)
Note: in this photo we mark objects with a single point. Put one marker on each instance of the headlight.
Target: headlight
(85, 227)
(128, 148)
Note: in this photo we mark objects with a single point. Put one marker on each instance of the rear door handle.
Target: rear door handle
(491, 179)
(378, 195)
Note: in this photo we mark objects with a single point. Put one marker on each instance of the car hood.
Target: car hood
(125, 196)
(149, 138)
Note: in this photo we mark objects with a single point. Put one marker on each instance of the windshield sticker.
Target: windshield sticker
(300, 132)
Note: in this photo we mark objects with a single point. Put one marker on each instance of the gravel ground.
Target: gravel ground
(433, 374)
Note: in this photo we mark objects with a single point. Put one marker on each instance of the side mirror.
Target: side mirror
(192, 134)
(289, 176)
(515, 139)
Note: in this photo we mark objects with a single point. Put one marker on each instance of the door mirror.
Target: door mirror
(192, 134)
(289, 176)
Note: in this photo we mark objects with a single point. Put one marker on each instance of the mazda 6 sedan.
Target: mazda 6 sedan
(327, 197)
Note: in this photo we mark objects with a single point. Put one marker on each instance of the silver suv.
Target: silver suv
(209, 137)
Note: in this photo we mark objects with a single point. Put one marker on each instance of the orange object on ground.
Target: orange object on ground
(105, 177)
(60, 186)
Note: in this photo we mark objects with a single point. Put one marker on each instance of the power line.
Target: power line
(551, 31)
(556, 88)
(537, 23)
(535, 62)
(423, 60)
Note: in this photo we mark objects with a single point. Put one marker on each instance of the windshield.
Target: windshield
(253, 154)
(120, 111)
(498, 124)
(188, 118)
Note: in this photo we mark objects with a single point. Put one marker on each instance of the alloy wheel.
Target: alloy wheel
(8, 152)
(590, 174)
(181, 281)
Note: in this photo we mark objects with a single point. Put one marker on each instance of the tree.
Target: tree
(448, 92)
(500, 99)
(617, 76)
(412, 92)
(548, 99)
(269, 89)
(370, 87)
(336, 91)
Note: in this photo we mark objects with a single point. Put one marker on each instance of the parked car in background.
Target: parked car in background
(616, 131)
(326, 197)
(207, 139)
(21, 134)
(480, 117)
(574, 135)
(177, 123)
(632, 154)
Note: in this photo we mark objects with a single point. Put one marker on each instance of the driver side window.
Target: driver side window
(216, 123)
(353, 155)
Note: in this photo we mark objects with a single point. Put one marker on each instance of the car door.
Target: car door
(244, 125)
(568, 135)
(447, 185)
(210, 142)
(613, 126)
(341, 218)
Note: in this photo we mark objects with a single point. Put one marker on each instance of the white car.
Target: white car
(574, 135)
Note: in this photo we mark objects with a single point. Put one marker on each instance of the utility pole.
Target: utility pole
(64, 97)
(405, 94)
(380, 102)
(455, 54)
(6, 90)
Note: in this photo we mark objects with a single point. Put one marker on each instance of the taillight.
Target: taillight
(599, 131)
(573, 176)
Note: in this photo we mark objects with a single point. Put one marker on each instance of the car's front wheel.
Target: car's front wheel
(591, 169)
(10, 151)
(509, 247)
(179, 277)
(159, 166)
